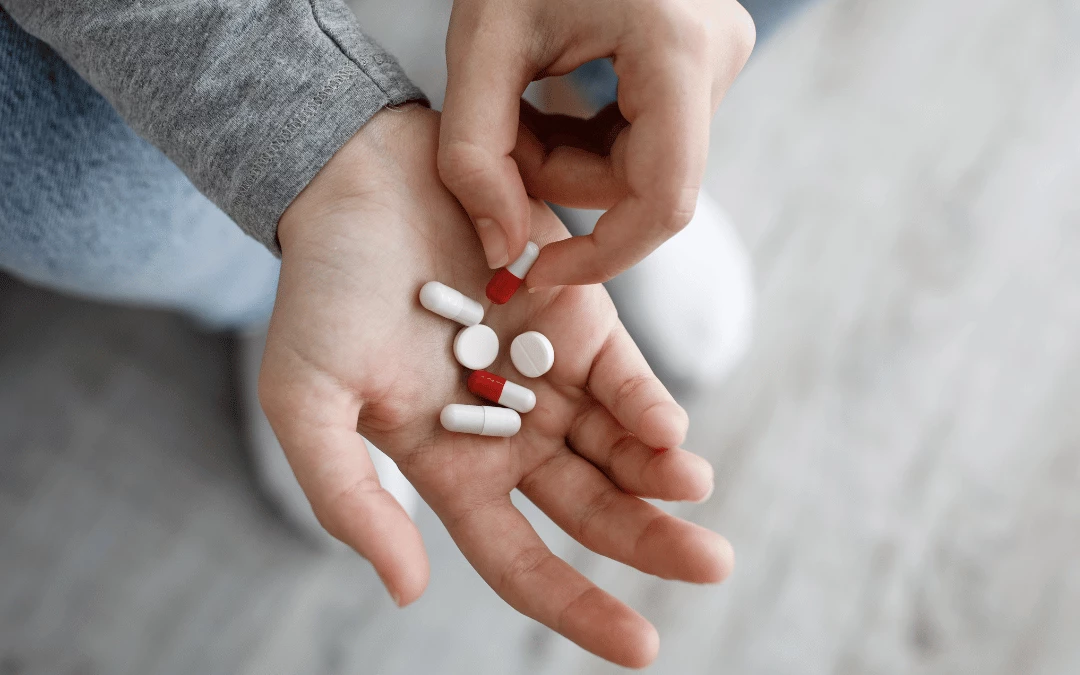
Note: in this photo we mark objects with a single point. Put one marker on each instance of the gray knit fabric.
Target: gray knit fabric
(250, 98)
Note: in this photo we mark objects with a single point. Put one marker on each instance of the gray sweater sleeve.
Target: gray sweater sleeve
(248, 97)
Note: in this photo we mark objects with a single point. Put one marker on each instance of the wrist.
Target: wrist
(367, 164)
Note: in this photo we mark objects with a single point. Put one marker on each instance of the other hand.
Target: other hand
(641, 158)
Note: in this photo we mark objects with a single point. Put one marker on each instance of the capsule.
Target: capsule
(480, 419)
(453, 305)
(497, 389)
(507, 280)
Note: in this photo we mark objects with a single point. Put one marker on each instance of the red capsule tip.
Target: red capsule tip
(486, 385)
(502, 286)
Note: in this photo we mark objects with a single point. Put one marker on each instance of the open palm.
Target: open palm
(351, 350)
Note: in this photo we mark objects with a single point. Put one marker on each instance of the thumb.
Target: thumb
(332, 465)
(478, 133)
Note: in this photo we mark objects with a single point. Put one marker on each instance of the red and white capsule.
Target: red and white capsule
(498, 390)
(507, 280)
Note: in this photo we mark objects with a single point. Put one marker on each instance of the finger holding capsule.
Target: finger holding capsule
(507, 280)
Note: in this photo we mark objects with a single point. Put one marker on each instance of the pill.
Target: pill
(476, 347)
(480, 419)
(447, 302)
(532, 354)
(508, 279)
(494, 388)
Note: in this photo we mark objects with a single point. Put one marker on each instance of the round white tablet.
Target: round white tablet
(476, 347)
(532, 354)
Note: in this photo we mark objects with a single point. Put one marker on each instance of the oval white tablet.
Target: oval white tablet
(476, 347)
(532, 354)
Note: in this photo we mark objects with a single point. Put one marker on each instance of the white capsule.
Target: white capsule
(481, 420)
(532, 354)
(520, 267)
(476, 347)
(452, 304)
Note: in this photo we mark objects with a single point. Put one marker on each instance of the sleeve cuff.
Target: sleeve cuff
(309, 137)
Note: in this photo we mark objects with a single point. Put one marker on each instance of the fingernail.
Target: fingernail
(494, 240)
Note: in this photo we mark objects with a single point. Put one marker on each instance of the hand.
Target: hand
(351, 350)
(643, 158)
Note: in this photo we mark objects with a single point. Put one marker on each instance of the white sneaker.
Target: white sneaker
(272, 471)
(690, 304)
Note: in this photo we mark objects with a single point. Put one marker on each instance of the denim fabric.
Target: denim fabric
(250, 99)
(598, 83)
(88, 207)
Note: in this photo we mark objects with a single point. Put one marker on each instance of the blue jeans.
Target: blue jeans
(88, 207)
(597, 80)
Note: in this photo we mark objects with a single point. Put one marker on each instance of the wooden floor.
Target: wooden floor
(898, 460)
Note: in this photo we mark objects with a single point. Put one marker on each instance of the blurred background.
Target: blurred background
(898, 459)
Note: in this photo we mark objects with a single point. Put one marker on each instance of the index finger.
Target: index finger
(478, 131)
(315, 423)
(663, 153)
(622, 381)
(506, 551)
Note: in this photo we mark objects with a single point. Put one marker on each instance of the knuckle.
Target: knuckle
(679, 23)
(628, 390)
(621, 448)
(598, 505)
(604, 264)
(677, 210)
(337, 511)
(588, 595)
(674, 221)
(651, 530)
(462, 164)
(461, 513)
(580, 422)
(608, 267)
(620, 458)
(521, 565)
(329, 522)
(693, 31)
